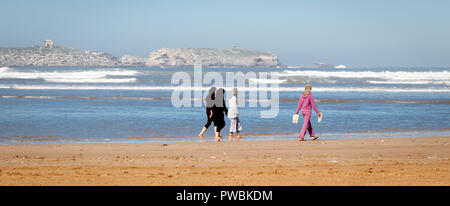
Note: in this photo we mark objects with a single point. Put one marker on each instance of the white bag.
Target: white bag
(295, 118)
(319, 119)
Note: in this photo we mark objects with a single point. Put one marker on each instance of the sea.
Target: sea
(132, 104)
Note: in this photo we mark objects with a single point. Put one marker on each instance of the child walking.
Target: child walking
(233, 115)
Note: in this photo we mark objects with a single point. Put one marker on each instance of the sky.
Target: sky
(355, 33)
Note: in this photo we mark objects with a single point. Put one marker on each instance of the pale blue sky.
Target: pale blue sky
(357, 33)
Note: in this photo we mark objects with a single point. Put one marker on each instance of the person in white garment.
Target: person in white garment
(233, 115)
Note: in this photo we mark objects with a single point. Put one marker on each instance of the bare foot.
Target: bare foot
(314, 138)
(301, 139)
(218, 139)
(231, 138)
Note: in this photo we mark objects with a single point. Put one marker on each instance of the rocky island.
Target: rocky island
(133, 61)
(49, 55)
(232, 57)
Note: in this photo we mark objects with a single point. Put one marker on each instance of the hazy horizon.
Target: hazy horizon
(354, 33)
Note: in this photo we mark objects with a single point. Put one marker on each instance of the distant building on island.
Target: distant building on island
(48, 44)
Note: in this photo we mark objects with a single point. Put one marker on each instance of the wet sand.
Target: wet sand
(390, 161)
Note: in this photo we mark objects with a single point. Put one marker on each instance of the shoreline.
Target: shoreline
(276, 136)
(371, 161)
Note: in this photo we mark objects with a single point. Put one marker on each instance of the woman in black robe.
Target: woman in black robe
(209, 111)
(219, 109)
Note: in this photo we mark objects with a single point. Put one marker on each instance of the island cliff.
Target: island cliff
(233, 57)
(49, 55)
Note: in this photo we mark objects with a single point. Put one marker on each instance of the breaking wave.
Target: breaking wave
(372, 77)
(72, 76)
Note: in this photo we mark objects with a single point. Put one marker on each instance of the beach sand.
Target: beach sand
(390, 161)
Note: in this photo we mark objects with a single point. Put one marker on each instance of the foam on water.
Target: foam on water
(286, 76)
(408, 82)
(372, 77)
(91, 80)
(269, 81)
(77, 76)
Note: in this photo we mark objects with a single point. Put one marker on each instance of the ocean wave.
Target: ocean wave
(162, 88)
(371, 77)
(71, 76)
(92, 80)
(408, 82)
(268, 81)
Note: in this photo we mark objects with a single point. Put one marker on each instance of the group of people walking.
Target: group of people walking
(216, 108)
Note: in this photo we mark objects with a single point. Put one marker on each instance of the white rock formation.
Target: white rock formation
(128, 60)
(55, 56)
(233, 57)
(50, 55)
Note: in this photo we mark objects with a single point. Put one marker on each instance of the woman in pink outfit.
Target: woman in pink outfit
(305, 103)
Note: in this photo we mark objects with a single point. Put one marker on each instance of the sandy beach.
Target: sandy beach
(390, 161)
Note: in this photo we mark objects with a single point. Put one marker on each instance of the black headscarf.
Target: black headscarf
(220, 98)
(219, 107)
(210, 97)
